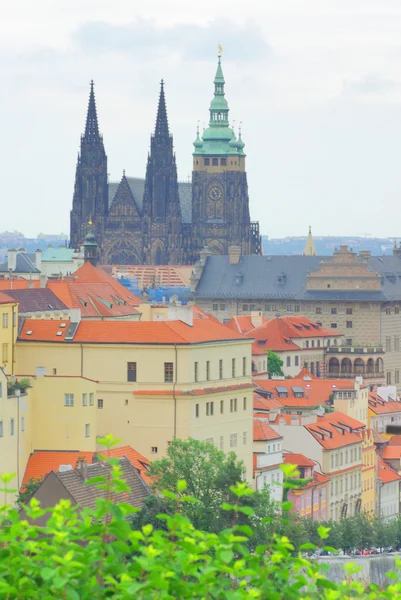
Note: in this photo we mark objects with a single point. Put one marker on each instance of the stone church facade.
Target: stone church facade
(158, 220)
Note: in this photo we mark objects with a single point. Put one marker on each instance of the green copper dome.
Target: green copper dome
(218, 138)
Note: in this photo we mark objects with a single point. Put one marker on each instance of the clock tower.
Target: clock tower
(220, 202)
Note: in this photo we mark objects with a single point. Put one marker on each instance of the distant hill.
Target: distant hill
(325, 245)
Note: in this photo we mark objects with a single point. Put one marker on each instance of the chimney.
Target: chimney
(256, 318)
(75, 315)
(43, 281)
(82, 468)
(365, 254)
(181, 313)
(12, 259)
(38, 259)
(234, 254)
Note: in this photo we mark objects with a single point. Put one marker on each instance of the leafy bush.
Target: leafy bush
(95, 554)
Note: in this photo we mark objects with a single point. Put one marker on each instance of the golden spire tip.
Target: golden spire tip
(220, 51)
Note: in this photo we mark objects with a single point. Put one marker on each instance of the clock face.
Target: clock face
(215, 193)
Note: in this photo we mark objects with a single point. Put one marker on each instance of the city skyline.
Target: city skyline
(318, 95)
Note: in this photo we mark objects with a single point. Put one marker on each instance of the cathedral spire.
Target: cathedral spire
(310, 248)
(161, 129)
(91, 127)
(219, 105)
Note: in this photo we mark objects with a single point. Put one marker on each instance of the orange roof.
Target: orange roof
(380, 407)
(386, 473)
(41, 462)
(148, 275)
(4, 299)
(290, 458)
(129, 332)
(198, 313)
(395, 440)
(392, 453)
(278, 334)
(268, 404)
(263, 432)
(315, 391)
(242, 324)
(335, 430)
(18, 284)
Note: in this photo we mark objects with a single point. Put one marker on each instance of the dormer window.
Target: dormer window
(281, 279)
(238, 278)
(282, 391)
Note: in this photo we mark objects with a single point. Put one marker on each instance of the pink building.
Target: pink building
(310, 500)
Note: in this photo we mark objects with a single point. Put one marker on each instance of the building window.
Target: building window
(396, 376)
(1, 428)
(233, 405)
(207, 162)
(223, 162)
(221, 442)
(348, 342)
(168, 372)
(196, 411)
(196, 371)
(100, 403)
(4, 352)
(297, 307)
(348, 311)
(349, 324)
(131, 371)
(307, 344)
(245, 438)
(84, 399)
(396, 344)
(388, 377)
(209, 440)
(208, 370)
(220, 369)
(209, 409)
(233, 367)
(244, 366)
(22, 423)
(91, 399)
(388, 310)
(11, 426)
(87, 430)
(221, 407)
(244, 403)
(68, 399)
(297, 361)
(5, 320)
(154, 450)
(388, 344)
(312, 343)
(288, 361)
(289, 308)
(319, 310)
(215, 307)
(245, 307)
(397, 310)
(215, 162)
(1, 390)
(333, 326)
(333, 311)
(233, 440)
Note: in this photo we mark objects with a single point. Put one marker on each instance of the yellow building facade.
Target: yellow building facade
(145, 393)
(8, 332)
(369, 472)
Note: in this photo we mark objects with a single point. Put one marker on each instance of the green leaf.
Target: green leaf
(308, 546)
(147, 529)
(47, 573)
(181, 485)
(323, 532)
(226, 556)
(246, 510)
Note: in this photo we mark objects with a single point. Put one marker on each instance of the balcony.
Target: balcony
(348, 367)
(355, 350)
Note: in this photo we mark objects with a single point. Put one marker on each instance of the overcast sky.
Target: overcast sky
(316, 84)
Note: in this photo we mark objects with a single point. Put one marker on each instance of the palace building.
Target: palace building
(158, 220)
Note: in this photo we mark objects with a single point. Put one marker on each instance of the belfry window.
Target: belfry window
(215, 162)
(207, 162)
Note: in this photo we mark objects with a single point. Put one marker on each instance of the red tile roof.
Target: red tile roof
(290, 458)
(242, 324)
(4, 299)
(392, 453)
(395, 440)
(18, 284)
(386, 474)
(277, 334)
(129, 332)
(198, 313)
(263, 432)
(316, 391)
(380, 407)
(267, 404)
(335, 430)
(160, 275)
(41, 462)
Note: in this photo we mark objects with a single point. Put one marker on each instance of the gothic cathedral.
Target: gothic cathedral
(158, 220)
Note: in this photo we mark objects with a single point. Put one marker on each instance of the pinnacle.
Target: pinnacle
(91, 127)
(161, 128)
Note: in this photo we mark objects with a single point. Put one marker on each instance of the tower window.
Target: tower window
(207, 162)
(215, 162)
(223, 162)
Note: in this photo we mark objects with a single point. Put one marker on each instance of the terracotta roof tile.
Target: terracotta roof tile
(18, 284)
(6, 299)
(387, 474)
(268, 404)
(242, 324)
(380, 407)
(336, 430)
(263, 432)
(315, 391)
(130, 332)
(291, 458)
(42, 462)
(392, 453)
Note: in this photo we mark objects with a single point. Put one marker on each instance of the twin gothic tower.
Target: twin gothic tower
(158, 220)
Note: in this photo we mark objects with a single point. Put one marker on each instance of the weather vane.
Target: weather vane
(220, 51)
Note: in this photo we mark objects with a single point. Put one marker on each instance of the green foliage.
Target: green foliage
(274, 364)
(95, 553)
(29, 489)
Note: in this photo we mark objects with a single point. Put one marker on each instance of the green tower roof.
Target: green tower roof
(218, 138)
